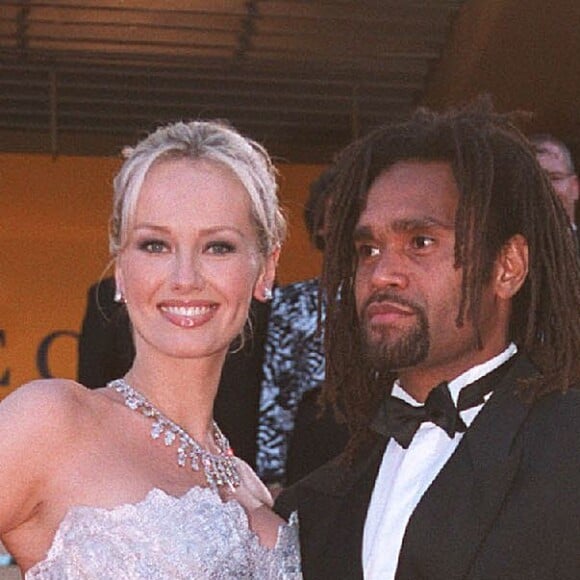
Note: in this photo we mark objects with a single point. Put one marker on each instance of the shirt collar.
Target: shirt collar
(455, 386)
(469, 376)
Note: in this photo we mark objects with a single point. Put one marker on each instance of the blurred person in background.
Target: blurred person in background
(556, 160)
(294, 368)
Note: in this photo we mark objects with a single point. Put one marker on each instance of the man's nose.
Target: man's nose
(390, 269)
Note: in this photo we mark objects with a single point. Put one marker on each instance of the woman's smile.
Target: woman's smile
(188, 314)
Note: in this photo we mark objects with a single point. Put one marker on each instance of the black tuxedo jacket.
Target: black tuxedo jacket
(505, 506)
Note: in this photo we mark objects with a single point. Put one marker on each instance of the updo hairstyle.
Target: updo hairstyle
(200, 140)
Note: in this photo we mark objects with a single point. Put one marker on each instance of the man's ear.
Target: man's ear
(511, 267)
(265, 281)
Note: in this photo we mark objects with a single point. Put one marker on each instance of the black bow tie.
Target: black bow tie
(401, 420)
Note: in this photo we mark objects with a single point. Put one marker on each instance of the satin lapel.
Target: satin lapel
(455, 514)
(332, 509)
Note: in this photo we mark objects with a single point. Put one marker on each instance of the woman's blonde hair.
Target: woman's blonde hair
(207, 140)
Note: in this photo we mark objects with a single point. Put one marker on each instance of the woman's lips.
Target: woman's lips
(188, 314)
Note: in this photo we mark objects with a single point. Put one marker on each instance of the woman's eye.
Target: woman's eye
(220, 248)
(153, 246)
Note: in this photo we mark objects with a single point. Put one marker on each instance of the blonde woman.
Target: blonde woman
(136, 480)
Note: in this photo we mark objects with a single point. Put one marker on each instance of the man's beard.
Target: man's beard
(385, 354)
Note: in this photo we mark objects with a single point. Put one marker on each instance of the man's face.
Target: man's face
(565, 182)
(407, 288)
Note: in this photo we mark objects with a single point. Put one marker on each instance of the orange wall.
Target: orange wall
(523, 53)
(54, 245)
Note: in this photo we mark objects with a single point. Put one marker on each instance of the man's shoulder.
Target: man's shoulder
(334, 479)
(557, 400)
(550, 435)
(559, 411)
(323, 478)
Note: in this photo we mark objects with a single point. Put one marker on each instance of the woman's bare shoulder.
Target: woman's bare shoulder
(52, 404)
(39, 427)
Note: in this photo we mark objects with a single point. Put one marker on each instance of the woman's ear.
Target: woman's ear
(511, 267)
(265, 281)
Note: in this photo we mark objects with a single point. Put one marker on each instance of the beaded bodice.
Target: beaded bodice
(196, 536)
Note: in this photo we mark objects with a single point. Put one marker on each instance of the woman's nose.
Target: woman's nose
(188, 272)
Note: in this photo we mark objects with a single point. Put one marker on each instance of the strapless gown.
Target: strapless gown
(196, 536)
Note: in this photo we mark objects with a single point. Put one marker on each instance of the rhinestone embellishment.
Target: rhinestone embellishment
(219, 469)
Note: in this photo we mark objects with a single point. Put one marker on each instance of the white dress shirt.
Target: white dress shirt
(406, 474)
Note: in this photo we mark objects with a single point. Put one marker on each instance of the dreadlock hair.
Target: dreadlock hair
(320, 192)
(503, 192)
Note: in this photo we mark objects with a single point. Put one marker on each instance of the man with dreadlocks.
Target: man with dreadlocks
(452, 334)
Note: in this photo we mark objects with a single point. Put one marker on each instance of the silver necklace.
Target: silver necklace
(220, 469)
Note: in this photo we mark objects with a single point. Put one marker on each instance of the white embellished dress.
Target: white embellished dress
(195, 536)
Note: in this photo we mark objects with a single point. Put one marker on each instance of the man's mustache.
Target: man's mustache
(392, 297)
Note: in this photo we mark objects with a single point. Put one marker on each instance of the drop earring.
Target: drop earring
(268, 294)
(119, 298)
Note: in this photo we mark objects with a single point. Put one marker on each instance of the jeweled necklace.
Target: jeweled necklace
(220, 469)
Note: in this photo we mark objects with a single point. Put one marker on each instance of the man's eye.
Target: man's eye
(220, 248)
(153, 246)
(422, 242)
(367, 251)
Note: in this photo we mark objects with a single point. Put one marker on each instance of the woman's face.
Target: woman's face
(190, 262)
